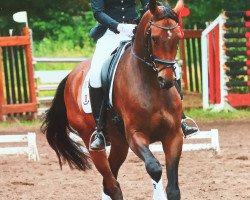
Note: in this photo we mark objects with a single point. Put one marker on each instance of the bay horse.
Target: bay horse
(143, 97)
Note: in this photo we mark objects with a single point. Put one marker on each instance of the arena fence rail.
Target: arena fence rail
(30, 149)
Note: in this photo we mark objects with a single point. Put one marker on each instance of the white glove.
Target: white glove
(126, 29)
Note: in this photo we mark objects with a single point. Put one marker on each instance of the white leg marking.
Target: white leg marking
(158, 190)
(105, 197)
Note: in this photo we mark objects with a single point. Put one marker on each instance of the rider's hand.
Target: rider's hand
(126, 29)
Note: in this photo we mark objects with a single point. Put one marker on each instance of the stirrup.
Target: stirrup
(91, 137)
(192, 120)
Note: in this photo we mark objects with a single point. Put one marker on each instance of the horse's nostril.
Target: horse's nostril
(165, 84)
(161, 81)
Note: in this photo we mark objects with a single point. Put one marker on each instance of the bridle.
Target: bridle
(150, 60)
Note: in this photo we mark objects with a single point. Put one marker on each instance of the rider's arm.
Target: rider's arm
(102, 17)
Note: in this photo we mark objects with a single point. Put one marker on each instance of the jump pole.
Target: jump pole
(212, 135)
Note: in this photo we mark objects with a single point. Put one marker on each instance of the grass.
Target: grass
(209, 116)
(46, 93)
(22, 124)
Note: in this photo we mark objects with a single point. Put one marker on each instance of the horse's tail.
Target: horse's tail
(56, 128)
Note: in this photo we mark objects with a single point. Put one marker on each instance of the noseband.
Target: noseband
(150, 60)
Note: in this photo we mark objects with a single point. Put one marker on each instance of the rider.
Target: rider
(187, 130)
(116, 23)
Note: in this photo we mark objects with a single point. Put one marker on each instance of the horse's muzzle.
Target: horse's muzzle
(164, 84)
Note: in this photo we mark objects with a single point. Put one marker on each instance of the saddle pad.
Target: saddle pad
(85, 95)
(85, 88)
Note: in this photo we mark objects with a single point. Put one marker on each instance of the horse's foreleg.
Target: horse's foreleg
(140, 147)
(172, 149)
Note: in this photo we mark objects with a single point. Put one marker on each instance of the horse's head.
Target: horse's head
(162, 33)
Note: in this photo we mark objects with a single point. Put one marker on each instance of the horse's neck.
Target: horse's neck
(139, 44)
(145, 73)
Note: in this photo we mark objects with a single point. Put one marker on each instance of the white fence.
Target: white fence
(30, 149)
(51, 76)
(213, 144)
(48, 81)
(212, 136)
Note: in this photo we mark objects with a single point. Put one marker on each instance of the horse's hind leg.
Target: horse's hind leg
(118, 153)
(172, 149)
(111, 186)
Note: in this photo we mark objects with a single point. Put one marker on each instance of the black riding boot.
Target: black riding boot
(187, 130)
(97, 142)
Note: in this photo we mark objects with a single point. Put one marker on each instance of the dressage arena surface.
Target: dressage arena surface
(202, 175)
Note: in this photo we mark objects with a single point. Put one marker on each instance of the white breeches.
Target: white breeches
(104, 47)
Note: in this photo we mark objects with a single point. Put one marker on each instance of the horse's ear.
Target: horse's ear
(152, 6)
(179, 6)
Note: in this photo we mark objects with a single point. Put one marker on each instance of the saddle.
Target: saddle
(107, 78)
(109, 68)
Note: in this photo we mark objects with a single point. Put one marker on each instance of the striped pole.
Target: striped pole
(237, 44)
(237, 13)
(238, 83)
(238, 53)
(238, 64)
(232, 24)
(237, 35)
(237, 72)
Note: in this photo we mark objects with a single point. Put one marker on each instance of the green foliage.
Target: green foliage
(203, 11)
(63, 27)
(65, 40)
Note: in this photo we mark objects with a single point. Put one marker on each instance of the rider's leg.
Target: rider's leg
(187, 130)
(101, 53)
(97, 101)
(104, 47)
